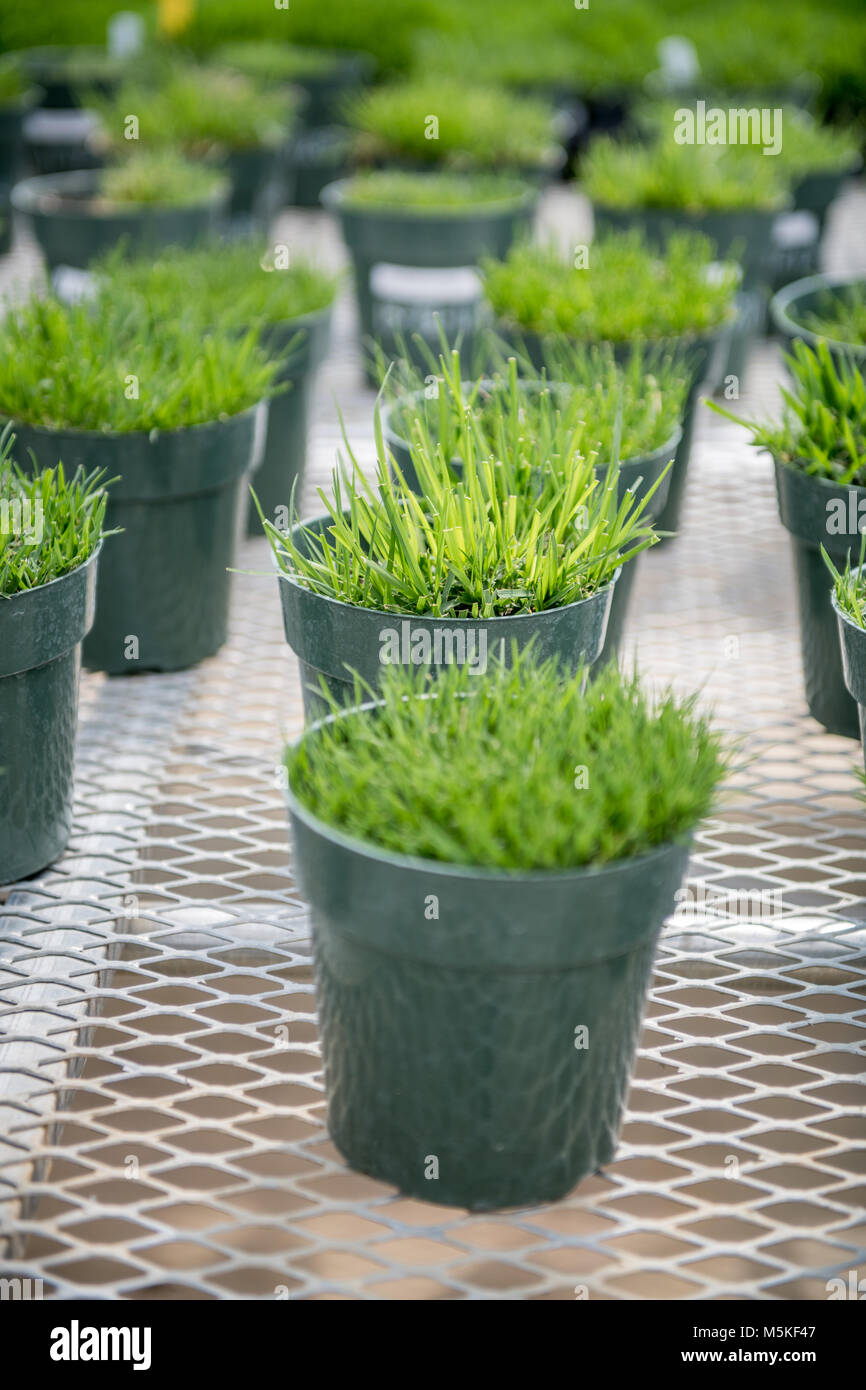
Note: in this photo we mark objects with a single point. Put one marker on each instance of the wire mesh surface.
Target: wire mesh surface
(161, 1096)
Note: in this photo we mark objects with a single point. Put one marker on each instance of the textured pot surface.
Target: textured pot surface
(72, 231)
(40, 659)
(331, 638)
(163, 591)
(284, 450)
(478, 1028)
(813, 511)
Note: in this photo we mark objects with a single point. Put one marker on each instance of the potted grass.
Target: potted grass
(234, 287)
(819, 455)
(224, 119)
(678, 302)
(176, 417)
(505, 554)
(817, 159)
(489, 862)
(622, 414)
(849, 604)
(828, 307)
(424, 220)
(152, 199)
(663, 187)
(51, 524)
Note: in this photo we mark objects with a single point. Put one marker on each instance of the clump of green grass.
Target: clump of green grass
(614, 412)
(431, 192)
(809, 147)
(480, 770)
(229, 285)
(204, 111)
(276, 62)
(49, 524)
(79, 366)
(160, 178)
(478, 127)
(687, 178)
(840, 315)
(823, 431)
(629, 290)
(849, 585)
(527, 526)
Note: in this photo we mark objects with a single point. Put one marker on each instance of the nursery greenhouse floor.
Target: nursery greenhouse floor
(161, 1097)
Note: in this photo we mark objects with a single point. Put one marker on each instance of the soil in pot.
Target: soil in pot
(40, 659)
(163, 589)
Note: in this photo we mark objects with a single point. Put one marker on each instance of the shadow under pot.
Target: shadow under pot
(640, 474)
(816, 294)
(180, 498)
(452, 1063)
(817, 512)
(422, 240)
(285, 445)
(698, 356)
(40, 662)
(73, 228)
(852, 644)
(331, 638)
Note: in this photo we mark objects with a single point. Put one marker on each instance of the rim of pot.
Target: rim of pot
(333, 197)
(389, 433)
(155, 432)
(367, 849)
(782, 300)
(34, 195)
(815, 478)
(325, 517)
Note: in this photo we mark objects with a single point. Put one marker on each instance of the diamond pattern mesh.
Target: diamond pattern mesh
(161, 1098)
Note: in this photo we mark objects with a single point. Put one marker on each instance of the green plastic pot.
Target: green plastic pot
(455, 1064)
(285, 445)
(699, 357)
(808, 507)
(640, 474)
(64, 86)
(807, 296)
(12, 119)
(852, 644)
(61, 142)
(331, 638)
(180, 499)
(423, 240)
(71, 231)
(316, 158)
(258, 179)
(816, 192)
(328, 92)
(40, 661)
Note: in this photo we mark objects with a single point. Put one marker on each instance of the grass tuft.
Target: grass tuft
(840, 315)
(528, 526)
(431, 192)
(823, 431)
(479, 127)
(160, 178)
(483, 771)
(49, 524)
(628, 291)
